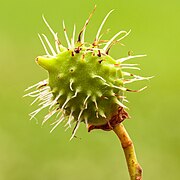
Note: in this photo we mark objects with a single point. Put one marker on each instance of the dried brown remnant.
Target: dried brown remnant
(99, 53)
(77, 50)
(107, 52)
(43, 85)
(116, 119)
(100, 61)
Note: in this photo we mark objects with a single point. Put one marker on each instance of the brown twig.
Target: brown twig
(135, 170)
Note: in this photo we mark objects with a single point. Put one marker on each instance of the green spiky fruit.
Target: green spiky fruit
(88, 86)
(85, 84)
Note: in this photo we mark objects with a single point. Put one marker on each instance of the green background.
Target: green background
(29, 152)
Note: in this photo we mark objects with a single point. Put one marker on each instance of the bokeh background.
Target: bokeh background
(29, 152)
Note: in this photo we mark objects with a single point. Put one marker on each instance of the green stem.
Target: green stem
(135, 170)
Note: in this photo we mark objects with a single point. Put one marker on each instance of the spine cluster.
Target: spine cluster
(85, 83)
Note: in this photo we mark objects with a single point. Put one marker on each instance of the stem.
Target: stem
(135, 170)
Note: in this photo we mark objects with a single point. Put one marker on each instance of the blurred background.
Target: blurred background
(28, 151)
